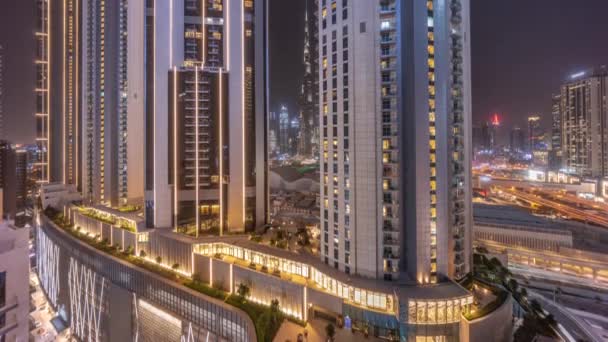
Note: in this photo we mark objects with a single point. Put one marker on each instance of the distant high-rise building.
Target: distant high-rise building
(284, 130)
(477, 138)
(535, 134)
(13, 181)
(21, 185)
(8, 182)
(394, 84)
(487, 136)
(555, 155)
(584, 123)
(308, 138)
(272, 142)
(493, 128)
(517, 140)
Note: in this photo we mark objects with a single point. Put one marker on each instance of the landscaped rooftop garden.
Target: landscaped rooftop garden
(491, 276)
(109, 218)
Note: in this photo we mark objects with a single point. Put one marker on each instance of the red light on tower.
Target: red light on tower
(495, 120)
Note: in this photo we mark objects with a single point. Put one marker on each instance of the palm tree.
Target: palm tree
(243, 291)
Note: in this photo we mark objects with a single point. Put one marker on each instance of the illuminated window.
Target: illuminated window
(386, 157)
(386, 144)
(386, 184)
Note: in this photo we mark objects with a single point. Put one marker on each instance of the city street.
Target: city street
(563, 316)
(563, 207)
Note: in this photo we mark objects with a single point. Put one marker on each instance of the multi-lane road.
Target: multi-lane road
(569, 206)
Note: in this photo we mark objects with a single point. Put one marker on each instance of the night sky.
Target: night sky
(522, 50)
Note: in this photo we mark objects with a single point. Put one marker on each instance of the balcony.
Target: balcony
(387, 9)
(390, 255)
(390, 241)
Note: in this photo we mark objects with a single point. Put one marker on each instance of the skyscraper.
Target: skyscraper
(308, 140)
(555, 156)
(8, 181)
(225, 136)
(43, 130)
(517, 140)
(535, 133)
(284, 130)
(493, 128)
(584, 123)
(109, 108)
(58, 91)
(81, 100)
(396, 126)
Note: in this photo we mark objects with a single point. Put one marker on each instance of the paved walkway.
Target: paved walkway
(316, 333)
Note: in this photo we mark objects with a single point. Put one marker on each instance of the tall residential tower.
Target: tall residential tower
(584, 123)
(308, 141)
(395, 115)
(217, 115)
(132, 97)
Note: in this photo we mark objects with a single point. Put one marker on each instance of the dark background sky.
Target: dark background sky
(522, 50)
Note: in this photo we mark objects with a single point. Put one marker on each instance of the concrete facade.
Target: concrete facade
(496, 327)
(395, 111)
(14, 283)
(125, 301)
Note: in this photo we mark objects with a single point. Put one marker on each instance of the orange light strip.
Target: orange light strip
(155, 195)
(175, 191)
(77, 94)
(203, 33)
(48, 85)
(221, 153)
(227, 57)
(63, 108)
(243, 103)
(196, 171)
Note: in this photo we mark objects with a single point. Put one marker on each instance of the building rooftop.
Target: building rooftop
(405, 289)
(585, 237)
(11, 236)
(291, 173)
